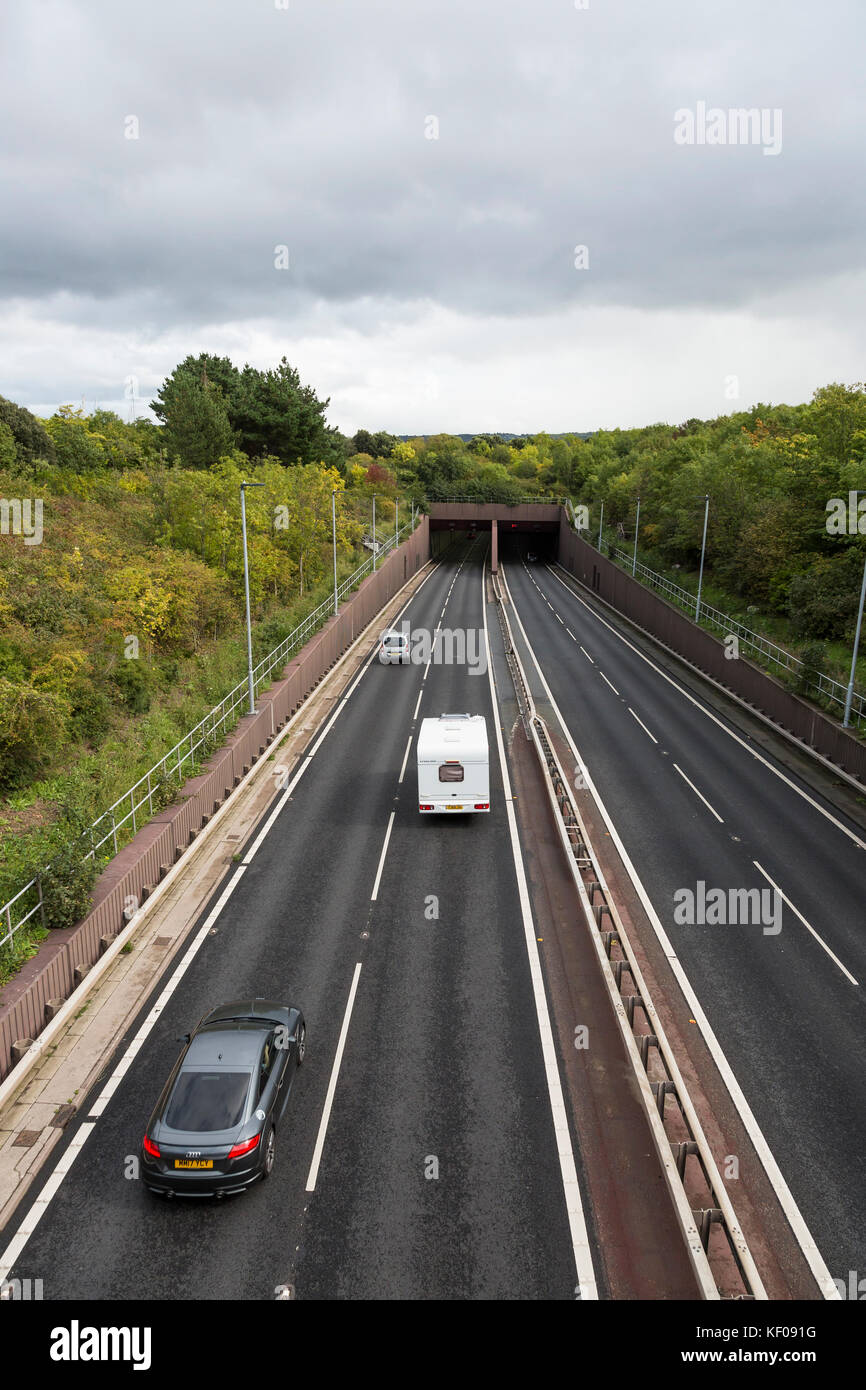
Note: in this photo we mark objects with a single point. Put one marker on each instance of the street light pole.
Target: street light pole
(374, 531)
(244, 486)
(600, 525)
(636, 525)
(334, 534)
(703, 552)
(396, 521)
(849, 694)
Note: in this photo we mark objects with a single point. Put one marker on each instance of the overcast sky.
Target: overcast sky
(432, 283)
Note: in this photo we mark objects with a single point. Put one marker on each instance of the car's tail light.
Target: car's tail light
(482, 805)
(151, 1148)
(244, 1148)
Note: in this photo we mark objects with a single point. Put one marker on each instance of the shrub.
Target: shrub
(813, 657)
(67, 886)
(132, 680)
(32, 727)
(822, 602)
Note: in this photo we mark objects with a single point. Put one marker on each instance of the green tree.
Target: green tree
(31, 438)
(275, 415)
(197, 429)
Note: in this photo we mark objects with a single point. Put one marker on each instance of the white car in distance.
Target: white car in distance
(393, 647)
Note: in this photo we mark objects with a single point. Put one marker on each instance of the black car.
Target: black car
(213, 1130)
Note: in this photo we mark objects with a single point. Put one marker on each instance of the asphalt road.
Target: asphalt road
(442, 1071)
(789, 1019)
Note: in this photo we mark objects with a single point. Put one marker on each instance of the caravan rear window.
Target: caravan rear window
(451, 772)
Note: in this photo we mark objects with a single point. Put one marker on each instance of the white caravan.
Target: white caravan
(453, 764)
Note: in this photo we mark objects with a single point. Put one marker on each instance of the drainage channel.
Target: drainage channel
(719, 1254)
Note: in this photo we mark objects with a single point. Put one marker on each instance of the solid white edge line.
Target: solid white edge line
(576, 1220)
(39, 1207)
(61, 1168)
(375, 891)
(17, 1244)
(709, 715)
(277, 811)
(700, 794)
(332, 719)
(643, 725)
(327, 729)
(797, 913)
(313, 1175)
(405, 761)
(806, 1240)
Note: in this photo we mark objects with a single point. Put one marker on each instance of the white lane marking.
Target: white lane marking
(815, 1260)
(571, 634)
(426, 669)
(40, 1206)
(19, 1241)
(275, 814)
(587, 655)
(610, 683)
(700, 794)
(327, 729)
(573, 1204)
(42, 1202)
(332, 1084)
(405, 761)
(375, 891)
(558, 619)
(365, 666)
(643, 725)
(797, 913)
(418, 704)
(708, 713)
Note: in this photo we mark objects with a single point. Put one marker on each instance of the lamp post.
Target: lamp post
(600, 525)
(849, 694)
(374, 531)
(703, 552)
(636, 525)
(244, 486)
(396, 521)
(334, 535)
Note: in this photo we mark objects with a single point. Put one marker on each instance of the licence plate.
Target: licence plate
(193, 1163)
(454, 808)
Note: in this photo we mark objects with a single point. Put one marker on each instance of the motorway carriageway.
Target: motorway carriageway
(690, 802)
(423, 1046)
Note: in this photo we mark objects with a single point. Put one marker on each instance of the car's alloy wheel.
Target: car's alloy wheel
(270, 1154)
(302, 1043)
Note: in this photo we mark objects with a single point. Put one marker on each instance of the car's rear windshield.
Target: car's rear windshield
(451, 772)
(208, 1100)
(394, 639)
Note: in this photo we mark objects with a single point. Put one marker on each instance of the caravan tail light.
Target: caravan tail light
(482, 805)
(422, 807)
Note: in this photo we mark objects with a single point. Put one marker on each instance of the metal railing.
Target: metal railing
(501, 502)
(761, 646)
(137, 803)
